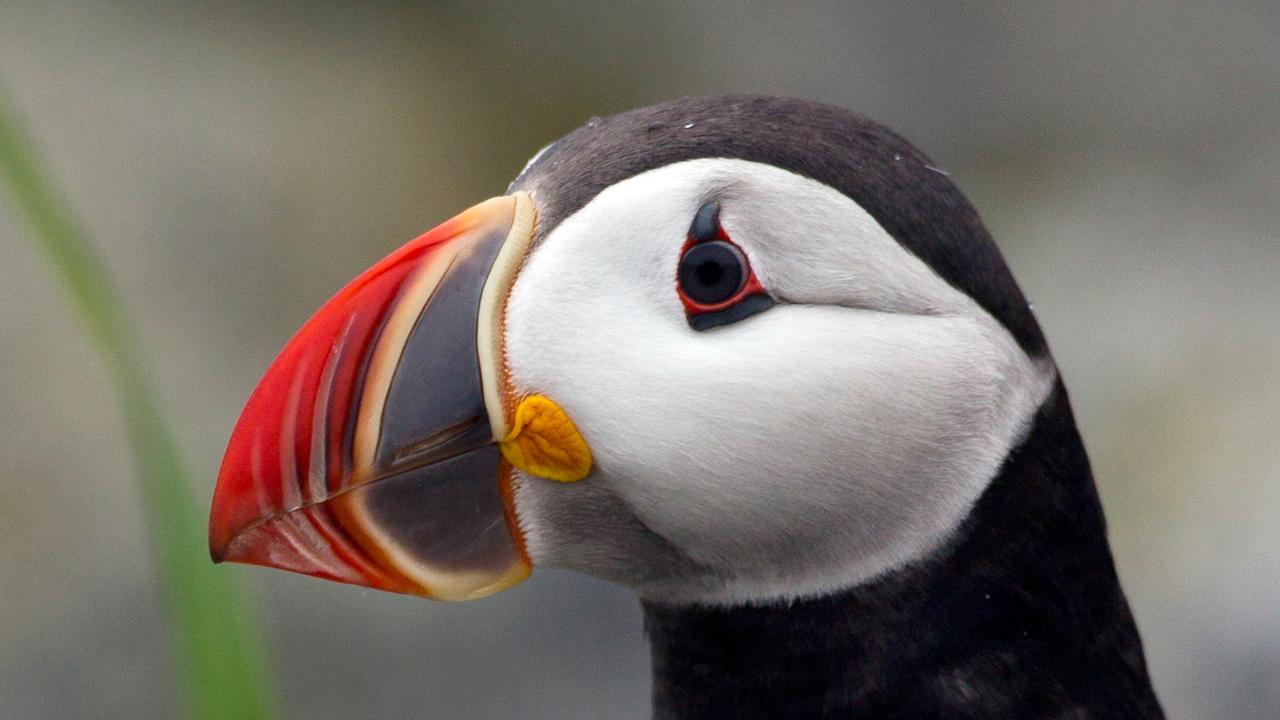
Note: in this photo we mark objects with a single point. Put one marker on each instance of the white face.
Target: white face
(839, 434)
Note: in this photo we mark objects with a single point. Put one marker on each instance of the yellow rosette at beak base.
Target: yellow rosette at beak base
(543, 441)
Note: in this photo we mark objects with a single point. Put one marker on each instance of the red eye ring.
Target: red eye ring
(747, 287)
(714, 278)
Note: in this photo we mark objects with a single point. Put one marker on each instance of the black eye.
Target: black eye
(712, 272)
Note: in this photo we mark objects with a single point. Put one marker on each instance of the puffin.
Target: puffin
(756, 359)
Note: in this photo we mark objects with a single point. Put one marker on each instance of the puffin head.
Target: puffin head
(721, 350)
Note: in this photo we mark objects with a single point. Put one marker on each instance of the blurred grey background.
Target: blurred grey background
(235, 165)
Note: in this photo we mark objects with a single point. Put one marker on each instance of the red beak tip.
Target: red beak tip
(220, 537)
(217, 554)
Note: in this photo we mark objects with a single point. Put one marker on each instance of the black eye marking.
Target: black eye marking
(706, 223)
(714, 278)
(749, 306)
(712, 272)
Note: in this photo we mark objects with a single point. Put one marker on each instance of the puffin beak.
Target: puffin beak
(372, 451)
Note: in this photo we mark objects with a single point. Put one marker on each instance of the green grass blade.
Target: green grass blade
(214, 642)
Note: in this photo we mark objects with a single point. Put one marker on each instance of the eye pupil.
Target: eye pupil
(712, 272)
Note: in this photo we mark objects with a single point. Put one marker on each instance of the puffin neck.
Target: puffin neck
(1022, 615)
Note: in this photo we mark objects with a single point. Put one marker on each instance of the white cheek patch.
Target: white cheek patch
(841, 434)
